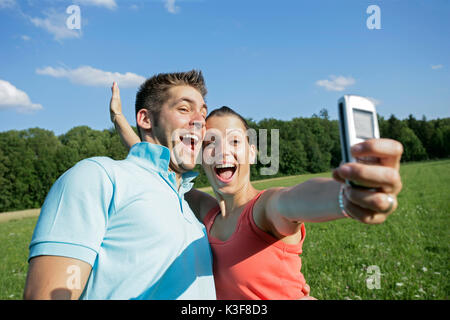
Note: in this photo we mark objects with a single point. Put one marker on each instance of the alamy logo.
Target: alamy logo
(374, 280)
(74, 277)
(73, 22)
(374, 20)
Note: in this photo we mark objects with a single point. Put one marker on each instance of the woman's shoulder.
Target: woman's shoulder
(260, 208)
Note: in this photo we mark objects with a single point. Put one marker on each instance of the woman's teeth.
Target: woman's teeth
(220, 166)
(225, 172)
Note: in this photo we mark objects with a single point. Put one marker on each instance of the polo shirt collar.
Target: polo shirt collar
(156, 157)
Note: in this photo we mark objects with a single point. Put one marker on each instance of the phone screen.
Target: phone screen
(363, 124)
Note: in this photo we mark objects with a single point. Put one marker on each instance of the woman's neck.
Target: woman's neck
(240, 198)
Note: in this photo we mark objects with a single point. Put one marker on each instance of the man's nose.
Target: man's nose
(198, 121)
(198, 125)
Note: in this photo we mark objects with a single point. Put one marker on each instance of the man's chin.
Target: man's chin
(184, 162)
(182, 165)
(188, 167)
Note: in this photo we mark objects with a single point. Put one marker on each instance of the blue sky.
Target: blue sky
(281, 59)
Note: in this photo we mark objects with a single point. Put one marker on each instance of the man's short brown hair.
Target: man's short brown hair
(153, 92)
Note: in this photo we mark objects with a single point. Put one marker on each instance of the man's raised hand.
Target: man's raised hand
(115, 105)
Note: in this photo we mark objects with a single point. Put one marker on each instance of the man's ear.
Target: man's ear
(252, 154)
(143, 119)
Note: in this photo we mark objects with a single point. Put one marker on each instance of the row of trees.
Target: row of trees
(31, 160)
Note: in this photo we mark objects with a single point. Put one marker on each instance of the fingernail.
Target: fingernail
(357, 148)
(345, 170)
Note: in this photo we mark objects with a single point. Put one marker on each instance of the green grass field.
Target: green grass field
(411, 249)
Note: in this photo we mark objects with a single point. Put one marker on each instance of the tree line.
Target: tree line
(31, 160)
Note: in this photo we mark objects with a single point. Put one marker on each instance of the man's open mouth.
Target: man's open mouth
(225, 172)
(189, 140)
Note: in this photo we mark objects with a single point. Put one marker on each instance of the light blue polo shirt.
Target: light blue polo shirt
(128, 221)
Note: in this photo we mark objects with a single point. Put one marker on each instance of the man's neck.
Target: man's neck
(151, 139)
(178, 177)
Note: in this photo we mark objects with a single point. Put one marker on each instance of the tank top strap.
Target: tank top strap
(247, 213)
(247, 216)
(212, 214)
(210, 217)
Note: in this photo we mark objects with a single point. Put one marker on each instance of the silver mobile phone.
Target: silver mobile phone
(357, 123)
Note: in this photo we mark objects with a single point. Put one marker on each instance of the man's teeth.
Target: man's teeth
(221, 166)
(190, 136)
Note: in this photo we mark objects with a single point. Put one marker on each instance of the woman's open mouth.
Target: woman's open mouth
(225, 172)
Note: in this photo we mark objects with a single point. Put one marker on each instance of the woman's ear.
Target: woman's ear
(143, 119)
(252, 154)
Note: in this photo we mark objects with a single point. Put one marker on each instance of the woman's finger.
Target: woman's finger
(337, 177)
(374, 201)
(384, 178)
(388, 151)
(361, 214)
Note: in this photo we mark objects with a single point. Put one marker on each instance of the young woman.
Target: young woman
(256, 236)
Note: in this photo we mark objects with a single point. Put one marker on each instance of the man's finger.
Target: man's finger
(115, 91)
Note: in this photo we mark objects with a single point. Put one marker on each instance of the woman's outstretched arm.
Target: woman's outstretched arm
(126, 132)
(316, 200)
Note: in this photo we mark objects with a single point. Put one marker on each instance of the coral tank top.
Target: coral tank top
(254, 265)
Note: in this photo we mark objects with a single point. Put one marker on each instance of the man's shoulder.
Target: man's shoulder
(93, 163)
(91, 167)
(104, 162)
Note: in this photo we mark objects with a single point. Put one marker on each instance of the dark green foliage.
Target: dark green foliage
(31, 160)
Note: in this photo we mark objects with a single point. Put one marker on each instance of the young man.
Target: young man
(122, 229)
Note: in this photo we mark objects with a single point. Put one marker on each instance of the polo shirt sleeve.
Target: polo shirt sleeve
(73, 219)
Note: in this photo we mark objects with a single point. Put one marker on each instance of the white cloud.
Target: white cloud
(109, 4)
(55, 23)
(13, 98)
(89, 76)
(7, 3)
(339, 83)
(25, 38)
(436, 67)
(171, 7)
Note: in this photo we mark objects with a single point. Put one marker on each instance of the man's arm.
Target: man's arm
(316, 200)
(126, 133)
(69, 232)
(200, 202)
(56, 278)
